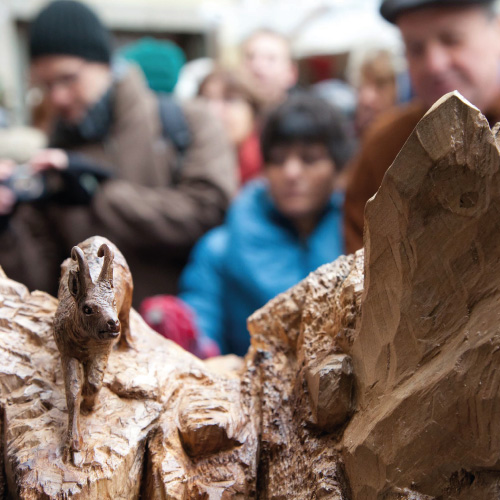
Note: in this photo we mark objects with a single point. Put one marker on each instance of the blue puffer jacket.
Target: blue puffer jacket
(238, 267)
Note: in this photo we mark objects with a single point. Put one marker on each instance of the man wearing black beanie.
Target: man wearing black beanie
(70, 54)
(122, 176)
(71, 25)
(450, 45)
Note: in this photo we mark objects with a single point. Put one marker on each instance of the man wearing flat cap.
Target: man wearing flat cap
(124, 177)
(450, 45)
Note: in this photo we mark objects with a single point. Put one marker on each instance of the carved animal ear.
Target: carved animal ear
(83, 274)
(73, 283)
(83, 267)
(107, 266)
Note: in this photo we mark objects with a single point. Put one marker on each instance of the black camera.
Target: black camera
(74, 186)
(26, 184)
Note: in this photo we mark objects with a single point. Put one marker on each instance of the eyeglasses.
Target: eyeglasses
(65, 80)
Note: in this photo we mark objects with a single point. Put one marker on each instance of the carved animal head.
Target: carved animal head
(95, 301)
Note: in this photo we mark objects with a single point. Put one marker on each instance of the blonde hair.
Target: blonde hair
(379, 60)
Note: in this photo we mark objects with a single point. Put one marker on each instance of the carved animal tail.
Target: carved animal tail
(106, 273)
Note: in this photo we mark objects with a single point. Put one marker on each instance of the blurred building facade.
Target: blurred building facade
(202, 28)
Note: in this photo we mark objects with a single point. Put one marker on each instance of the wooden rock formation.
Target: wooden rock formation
(428, 347)
(375, 378)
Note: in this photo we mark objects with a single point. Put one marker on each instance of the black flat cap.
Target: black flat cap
(390, 9)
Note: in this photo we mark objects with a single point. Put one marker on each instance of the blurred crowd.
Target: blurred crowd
(223, 196)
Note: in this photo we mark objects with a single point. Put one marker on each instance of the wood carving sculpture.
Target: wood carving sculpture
(375, 378)
(95, 294)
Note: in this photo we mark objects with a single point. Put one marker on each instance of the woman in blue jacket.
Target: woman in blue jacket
(279, 228)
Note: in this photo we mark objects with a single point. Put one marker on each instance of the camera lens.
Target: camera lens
(26, 185)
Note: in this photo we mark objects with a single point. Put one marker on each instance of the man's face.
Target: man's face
(453, 49)
(72, 84)
(267, 58)
(301, 179)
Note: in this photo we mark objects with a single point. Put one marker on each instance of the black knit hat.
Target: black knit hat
(67, 27)
(390, 9)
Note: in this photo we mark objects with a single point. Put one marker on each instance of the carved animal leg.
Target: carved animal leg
(73, 380)
(126, 340)
(94, 374)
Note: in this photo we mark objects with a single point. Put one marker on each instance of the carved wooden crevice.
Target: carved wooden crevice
(307, 388)
(211, 449)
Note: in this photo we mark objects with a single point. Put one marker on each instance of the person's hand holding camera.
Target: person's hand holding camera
(48, 176)
(25, 183)
(50, 158)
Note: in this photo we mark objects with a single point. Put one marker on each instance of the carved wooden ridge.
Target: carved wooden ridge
(374, 378)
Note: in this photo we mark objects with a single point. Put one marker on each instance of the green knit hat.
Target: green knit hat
(67, 27)
(160, 60)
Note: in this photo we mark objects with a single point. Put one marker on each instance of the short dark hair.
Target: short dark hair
(304, 117)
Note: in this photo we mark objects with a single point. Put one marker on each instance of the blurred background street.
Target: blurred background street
(322, 33)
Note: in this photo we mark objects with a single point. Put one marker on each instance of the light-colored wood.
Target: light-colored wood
(146, 395)
(372, 379)
(428, 349)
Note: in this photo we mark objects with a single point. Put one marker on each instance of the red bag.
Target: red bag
(173, 319)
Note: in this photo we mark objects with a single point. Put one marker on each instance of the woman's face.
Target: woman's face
(233, 110)
(301, 178)
(377, 92)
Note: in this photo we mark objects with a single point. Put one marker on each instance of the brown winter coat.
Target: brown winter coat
(152, 220)
(379, 149)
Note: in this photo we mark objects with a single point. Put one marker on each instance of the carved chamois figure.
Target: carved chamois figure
(95, 296)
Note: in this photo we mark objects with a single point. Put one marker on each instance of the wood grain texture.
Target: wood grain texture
(146, 392)
(428, 348)
(375, 378)
(295, 337)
